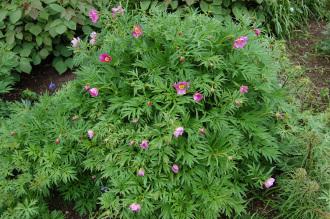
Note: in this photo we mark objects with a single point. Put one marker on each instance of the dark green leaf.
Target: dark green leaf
(59, 65)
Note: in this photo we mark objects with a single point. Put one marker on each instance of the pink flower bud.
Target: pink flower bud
(140, 172)
(243, 89)
(144, 144)
(94, 92)
(90, 134)
(178, 132)
(269, 182)
(175, 168)
(198, 97)
(135, 207)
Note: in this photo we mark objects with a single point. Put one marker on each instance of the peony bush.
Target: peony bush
(170, 117)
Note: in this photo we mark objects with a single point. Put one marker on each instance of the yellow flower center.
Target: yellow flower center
(182, 86)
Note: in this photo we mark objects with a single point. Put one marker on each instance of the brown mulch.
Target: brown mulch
(38, 81)
(303, 52)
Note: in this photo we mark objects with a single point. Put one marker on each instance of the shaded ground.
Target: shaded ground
(57, 203)
(38, 81)
(303, 52)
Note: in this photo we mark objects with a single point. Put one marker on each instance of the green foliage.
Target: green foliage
(324, 46)
(8, 63)
(237, 152)
(34, 29)
(280, 16)
(304, 192)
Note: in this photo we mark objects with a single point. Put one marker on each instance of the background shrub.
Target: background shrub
(280, 17)
(8, 62)
(36, 29)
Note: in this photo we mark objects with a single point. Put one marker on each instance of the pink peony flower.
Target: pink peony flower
(257, 32)
(240, 42)
(75, 42)
(93, 15)
(243, 89)
(94, 92)
(144, 144)
(198, 97)
(140, 172)
(135, 207)
(269, 182)
(90, 134)
(137, 31)
(105, 58)
(175, 168)
(181, 87)
(178, 132)
(117, 10)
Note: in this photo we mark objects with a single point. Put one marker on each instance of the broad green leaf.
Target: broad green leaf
(3, 14)
(19, 35)
(24, 65)
(53, 33)
(49, 1)
(69, 63)
(56, 7)
(39, 40)
(44, 15)
(174, 4)
(47, 40)
(55, 23)
(145, 5)
(67, 14)
(190, 2)
(43, 53)
(15, 16)
(26, 50)
(205, 6)
(60, 29)
(259, 1)
(36, 59)
(65, 51)
(35, 30)
(59, 65)
(87, 30)
(34, 13)
(70, 24)
(217, 2)
(36, 4)
(10, 37)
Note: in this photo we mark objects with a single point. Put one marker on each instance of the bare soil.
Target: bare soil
(38, 81)
(302, 49)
